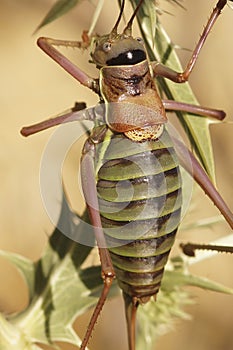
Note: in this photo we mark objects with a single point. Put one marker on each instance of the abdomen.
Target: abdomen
(139, 188)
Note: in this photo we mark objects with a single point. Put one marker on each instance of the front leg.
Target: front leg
(161, 70)
(47, 45)
(77, 113)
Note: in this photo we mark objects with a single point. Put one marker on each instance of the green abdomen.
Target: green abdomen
(139, 188)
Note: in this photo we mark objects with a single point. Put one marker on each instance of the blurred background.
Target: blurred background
(33, 88)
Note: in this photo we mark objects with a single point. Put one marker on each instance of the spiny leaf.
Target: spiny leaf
(67, 291)
(186, 279)
(60, 288)
(24, 266)
(57, 10)
(177, 274)
(12, 338)
(157, 318)
(49, 316)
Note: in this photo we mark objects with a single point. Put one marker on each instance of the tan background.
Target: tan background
(33, 88)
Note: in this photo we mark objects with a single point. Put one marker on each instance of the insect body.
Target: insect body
(130, 169)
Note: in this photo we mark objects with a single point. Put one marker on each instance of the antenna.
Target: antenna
(114, 30)
(128, 28)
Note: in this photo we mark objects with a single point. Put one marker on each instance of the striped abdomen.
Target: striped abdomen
(139, 190)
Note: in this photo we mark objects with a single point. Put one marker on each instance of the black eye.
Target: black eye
(140, 40)
(127, 58)
(107, 46)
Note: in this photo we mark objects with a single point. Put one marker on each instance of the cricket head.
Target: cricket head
(117, 49)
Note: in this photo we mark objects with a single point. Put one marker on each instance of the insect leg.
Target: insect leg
(131, 305)
(189, 248)
(194, 109)
(47, 45)
(90, 194)
(166, 72)
(70, 115)
(202, 179)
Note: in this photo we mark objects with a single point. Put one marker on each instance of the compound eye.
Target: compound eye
(140, 40)
(107, 46)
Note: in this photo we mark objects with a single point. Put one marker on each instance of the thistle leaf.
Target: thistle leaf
(157, 318)
(60, 290)
(24, 266)
(186, 279)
